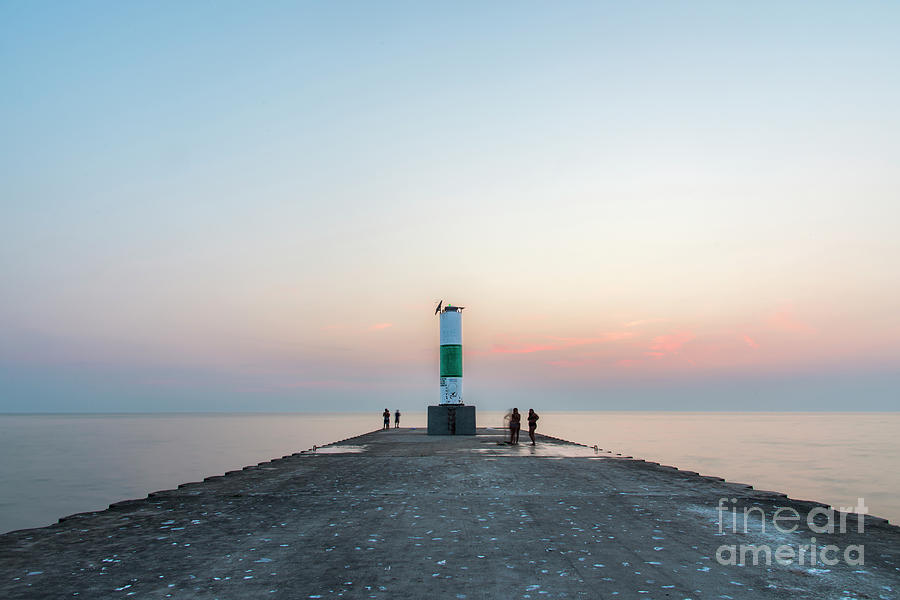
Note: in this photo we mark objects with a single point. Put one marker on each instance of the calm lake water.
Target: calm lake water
(55, 465)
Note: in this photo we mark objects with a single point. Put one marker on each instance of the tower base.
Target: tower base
(451, 419)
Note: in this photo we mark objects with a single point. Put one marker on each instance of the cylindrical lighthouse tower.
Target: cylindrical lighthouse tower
(451, 355)
(450, 416)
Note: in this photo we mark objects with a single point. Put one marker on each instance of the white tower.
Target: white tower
(451, 355)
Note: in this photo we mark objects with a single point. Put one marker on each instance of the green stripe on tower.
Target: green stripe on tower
(451, 361)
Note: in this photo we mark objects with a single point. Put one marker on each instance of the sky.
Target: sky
(232, 206)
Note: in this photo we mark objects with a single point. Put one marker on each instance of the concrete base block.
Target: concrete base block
(451, 419)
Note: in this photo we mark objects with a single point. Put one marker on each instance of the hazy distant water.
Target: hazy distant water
(55, 465)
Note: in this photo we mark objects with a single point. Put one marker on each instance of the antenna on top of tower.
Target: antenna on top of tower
(438, 309)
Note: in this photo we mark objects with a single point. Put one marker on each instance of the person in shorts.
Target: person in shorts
(532, 423)
(515, 422)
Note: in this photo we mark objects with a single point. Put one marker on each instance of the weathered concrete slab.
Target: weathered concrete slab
(451, 419)
(400, 514)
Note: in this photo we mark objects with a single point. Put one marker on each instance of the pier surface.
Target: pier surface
(399, 514)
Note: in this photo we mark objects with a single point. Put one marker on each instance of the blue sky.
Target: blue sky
(254, 206)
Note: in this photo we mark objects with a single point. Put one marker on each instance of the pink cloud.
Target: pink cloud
(784, 319)
(558, 343)
(640, 322)
(611, 336)
(750, 341)
(671, 343)
(522, 349)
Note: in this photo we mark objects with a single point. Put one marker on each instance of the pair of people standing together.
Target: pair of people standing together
(387, 418)
(515, 423)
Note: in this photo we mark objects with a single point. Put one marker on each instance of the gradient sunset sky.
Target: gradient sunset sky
(254, 206)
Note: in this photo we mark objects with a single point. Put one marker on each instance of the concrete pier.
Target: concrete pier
(400, 514)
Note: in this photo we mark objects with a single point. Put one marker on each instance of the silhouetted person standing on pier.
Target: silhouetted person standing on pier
(532, 423)
(515, 422)
(387, 419)
(397, 418)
